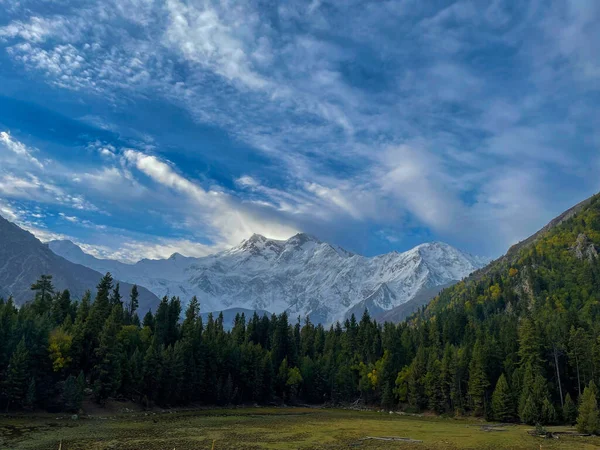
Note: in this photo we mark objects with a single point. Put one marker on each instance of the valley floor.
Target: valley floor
(268, 428)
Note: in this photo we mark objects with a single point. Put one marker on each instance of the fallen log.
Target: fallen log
(390, 438)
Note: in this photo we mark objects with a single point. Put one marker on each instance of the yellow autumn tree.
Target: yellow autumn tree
(59, 348)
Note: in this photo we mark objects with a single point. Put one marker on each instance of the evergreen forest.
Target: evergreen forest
(518, 341)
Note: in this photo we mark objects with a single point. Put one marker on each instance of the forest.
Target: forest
(518, 341)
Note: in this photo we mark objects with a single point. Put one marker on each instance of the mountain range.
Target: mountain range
(302, 275)
(23, 258)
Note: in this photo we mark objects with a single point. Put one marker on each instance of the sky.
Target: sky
(140, 128)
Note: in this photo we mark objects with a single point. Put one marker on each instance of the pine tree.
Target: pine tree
(549, 415)
(148, 320)
(588, 420)
(570, 411)
(546, 412)
(71, 396)
(61, 305)
(528, 408)
(81, 384)
(44, 289)
(99, 312)
(579, 347)
(433, 386)
(16, 381)
(108, 370)
(282, 377)
(529, 413)
(133, 304)
(31, 396)
(447, 374)
(478, 381)
(502, 401)
(116, 298)
(81, 344)
(153, 368)
(228, 390)
(529, 344)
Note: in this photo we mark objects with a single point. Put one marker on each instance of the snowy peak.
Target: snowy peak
(301, 275)
(300, 239)
(446, 260)
(258, 245)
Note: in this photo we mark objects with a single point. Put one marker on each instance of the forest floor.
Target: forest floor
(267, 428)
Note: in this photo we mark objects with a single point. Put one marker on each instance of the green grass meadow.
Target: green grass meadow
(267, 428)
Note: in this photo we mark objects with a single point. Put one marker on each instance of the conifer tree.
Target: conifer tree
(433, 386)
(570, 410)
(228, 390)
(99, 312)
(61, 305)
(81, 344)
(43, 293)
(107, 373)
(502, 401)
(133, 304)
(31, 396)
(529, 413)
(529, 343)
(116, 298)
(153, 368)
(548, 413)
(148, 320)
(71, 395)
(16, 381)
(528, 409)
(478, 381)
(579, 347)
(588, 420)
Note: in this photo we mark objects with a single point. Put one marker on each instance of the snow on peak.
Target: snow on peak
(301, 275)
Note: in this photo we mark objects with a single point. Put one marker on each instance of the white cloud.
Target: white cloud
(19, 148)
(132, 251)
(37, 29)
(416, 177)
(229, 220)
(8, 212)
(71, 219)
(335, 197)
(284, 81)
(200, 34)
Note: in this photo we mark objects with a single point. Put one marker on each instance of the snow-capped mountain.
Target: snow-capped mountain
(301, 275)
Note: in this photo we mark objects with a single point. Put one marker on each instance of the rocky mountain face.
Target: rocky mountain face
(301, 275)
(23, 259)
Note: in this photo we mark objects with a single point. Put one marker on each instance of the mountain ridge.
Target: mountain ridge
(301, 275)
(24, 258)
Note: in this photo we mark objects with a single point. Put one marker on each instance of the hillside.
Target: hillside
(524, 329)
(545, 262)
(23, 258)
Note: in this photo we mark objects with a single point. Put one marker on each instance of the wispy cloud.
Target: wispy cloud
(373, 115)
(19, 149)
(229, 222)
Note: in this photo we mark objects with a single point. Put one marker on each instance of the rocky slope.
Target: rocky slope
(23, 259)
(301, 275)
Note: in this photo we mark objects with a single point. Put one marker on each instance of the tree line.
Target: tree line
(519, 341)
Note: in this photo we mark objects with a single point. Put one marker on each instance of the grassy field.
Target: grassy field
(267, 428)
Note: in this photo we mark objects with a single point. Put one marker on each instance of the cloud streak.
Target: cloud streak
(396, 118)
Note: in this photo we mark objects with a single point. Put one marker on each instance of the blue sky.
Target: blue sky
(138, 128)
